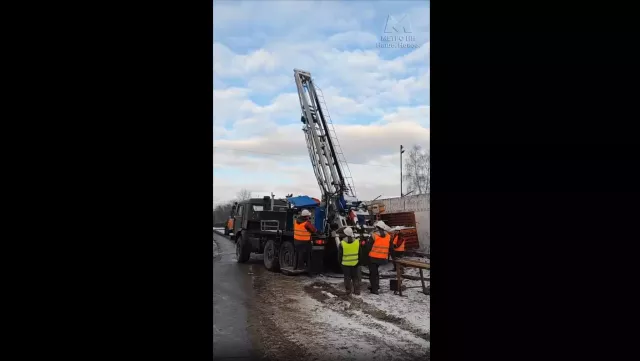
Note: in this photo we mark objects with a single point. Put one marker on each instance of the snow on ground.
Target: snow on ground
(413, 307)
(216, 250)
(313, 319)
(354, 334)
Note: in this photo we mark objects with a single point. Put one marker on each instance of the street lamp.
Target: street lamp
(401, 151)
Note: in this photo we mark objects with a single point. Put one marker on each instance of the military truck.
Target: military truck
(265, 226)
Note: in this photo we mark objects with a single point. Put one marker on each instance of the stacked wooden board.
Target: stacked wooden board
(407, 219)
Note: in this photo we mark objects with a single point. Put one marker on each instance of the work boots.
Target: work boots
(347, 286)
(356, 287)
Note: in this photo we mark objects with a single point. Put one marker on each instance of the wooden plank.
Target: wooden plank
(411, 263)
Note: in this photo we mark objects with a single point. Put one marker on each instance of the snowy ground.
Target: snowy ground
(315, 319)
(298, 317)
(413, 307)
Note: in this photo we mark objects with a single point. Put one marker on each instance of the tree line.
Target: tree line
(221, 211)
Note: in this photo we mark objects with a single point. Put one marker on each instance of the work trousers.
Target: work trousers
(351, 278)
(303, 250)
(374, 276)
(396, 255)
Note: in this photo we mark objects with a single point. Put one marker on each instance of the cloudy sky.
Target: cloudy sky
(377, 96)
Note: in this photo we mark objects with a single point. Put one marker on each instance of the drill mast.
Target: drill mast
(328, 161)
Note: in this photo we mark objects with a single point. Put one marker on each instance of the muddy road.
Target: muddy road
(263, 315)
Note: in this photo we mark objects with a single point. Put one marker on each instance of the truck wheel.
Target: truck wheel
(271, 261)
(243, 251)
(287, 256)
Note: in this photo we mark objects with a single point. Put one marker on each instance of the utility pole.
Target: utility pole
(401, 151)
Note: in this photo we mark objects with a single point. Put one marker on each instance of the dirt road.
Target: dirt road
(299, 317)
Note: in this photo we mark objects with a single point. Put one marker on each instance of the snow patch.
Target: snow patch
(328, 294)
(413, 307)
(352, 336)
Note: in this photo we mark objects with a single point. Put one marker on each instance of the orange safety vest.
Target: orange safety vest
(300, 232)
(230, 223)
(380, 247)
(395, 244)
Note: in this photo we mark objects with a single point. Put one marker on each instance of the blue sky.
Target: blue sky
(378, 97)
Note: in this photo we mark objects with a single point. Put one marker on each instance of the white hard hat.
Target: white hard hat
(348, 232)
(381, 224)
(305, 213)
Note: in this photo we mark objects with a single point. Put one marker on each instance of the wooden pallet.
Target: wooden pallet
(399, 219)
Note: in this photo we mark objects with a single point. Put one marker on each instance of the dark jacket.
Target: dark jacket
(308, 226)
(400, 239)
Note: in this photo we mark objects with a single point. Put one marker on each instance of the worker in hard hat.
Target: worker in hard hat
(398, 246)
(302, 231)
(381, 247)
(348, 254)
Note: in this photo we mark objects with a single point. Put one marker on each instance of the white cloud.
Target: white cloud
(258, 141)
(269, 83)
(352, 38)
(227, 63)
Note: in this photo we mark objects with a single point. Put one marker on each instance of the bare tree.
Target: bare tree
(243, 194)
(417, 171)
(222, 211)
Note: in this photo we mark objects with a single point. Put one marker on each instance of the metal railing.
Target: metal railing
(269, 225)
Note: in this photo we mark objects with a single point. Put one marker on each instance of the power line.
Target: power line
(292, 156)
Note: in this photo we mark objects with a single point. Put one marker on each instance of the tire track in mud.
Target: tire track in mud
(268, 332)
(356, 304)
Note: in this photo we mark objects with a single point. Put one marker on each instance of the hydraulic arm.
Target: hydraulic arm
(328, 162)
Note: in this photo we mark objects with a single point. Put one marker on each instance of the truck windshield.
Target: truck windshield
(257, 208)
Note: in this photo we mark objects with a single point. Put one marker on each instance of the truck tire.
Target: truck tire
(243, 250)
(287, 255)
(271, 261)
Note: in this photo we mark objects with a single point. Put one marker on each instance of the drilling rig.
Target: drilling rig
(265, 226)
(339, 199)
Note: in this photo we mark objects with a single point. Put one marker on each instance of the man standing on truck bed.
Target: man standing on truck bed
(302, 231)
(348, 253)
(380, 250)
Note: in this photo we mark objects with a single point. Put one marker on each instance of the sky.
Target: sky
(376, 92)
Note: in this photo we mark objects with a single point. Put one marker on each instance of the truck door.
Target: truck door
(237, 223)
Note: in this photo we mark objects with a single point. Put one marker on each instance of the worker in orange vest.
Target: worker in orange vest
(381, 247)
(302, 231)
(398, 247)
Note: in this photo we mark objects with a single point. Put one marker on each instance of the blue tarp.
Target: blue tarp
(302, 201)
